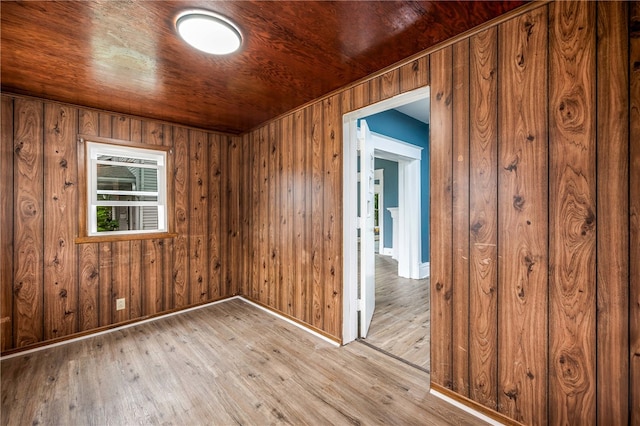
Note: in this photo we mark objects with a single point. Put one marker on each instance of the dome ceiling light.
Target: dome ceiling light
(208, 32)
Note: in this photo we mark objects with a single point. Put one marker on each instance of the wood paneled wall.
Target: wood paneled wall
(293, 197)
(52, 287)
(533, 160)
(535, 170)
(535, 234)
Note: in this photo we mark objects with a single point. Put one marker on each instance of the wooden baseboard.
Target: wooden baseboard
(472, 406)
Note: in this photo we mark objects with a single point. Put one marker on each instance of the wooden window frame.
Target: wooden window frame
(83, 173)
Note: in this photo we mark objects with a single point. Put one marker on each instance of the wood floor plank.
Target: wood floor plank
(400, 325)
(229, 363)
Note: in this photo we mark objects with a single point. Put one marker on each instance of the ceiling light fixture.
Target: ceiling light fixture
(209, 32)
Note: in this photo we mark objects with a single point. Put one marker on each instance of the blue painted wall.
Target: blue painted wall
(402, 127)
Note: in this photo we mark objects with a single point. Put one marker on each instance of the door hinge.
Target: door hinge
(358, 305)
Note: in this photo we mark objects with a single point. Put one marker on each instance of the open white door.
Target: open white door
(367, 242)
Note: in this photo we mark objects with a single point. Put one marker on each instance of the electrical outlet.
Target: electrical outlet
(120, 304)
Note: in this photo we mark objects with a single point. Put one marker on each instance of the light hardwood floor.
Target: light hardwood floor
(400, 325)
(230, 363)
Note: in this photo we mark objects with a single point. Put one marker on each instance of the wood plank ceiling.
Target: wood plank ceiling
(125, 57)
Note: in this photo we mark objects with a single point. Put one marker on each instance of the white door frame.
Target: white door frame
(350, 207)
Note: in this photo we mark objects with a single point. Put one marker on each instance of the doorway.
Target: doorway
(357, 303)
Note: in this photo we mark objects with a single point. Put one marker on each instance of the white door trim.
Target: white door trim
(350, 155)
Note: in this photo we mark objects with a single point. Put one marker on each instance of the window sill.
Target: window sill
(127, 237)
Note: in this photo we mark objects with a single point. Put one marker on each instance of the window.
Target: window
(126, 194)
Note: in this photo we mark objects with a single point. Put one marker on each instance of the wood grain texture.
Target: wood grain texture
(215, 228)
(6, 223)
(198, 224)
(400, 325)
(263, 214)
(483, 235)
(297, 52)
(612, 213)
(414, 74)
(317, 208)
(233, 222)
(440, 179)
(77, 284)
(88, 254)
(360, 95)
(634, 211)
(252, 286)
(137, 285)
(192, 368)
(286, 275)
(273, 270)
(572, 210)
(107, 303)
(308, 230)
(390, 84)
(246, 215)
(153, 253)
(523, 209)
(61, 224)
(28, 222)
(300, 252)
(332, 208)
(460, 283)
(181, 206)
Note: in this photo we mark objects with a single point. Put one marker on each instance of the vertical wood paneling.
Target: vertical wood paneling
(483, 237)
(152, 133)
(265, 207)
(233, 189)
(288, 258)
(390, 84)
(332, 125)
(225, 230)
(123, 264)
(252, 287)
(215, 289)
(136, 280)
(60, 207)
(181, 205)
(441, 216)
(107, 303)
(59, 287)
(273, 271)
(572, 210)
(375, 90)
(360, 95)
(523, 206)
(634, 210)
(461, 349)
(415, 74)
(234, 198)
(88, 254)
(137, 284)
(168, 245)
(6, 223)
(246, 214)
(198, 226)
(545, 210)
(612, 210)
(300, 254)
(308, 230)
(28, 222)
(317, 218)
